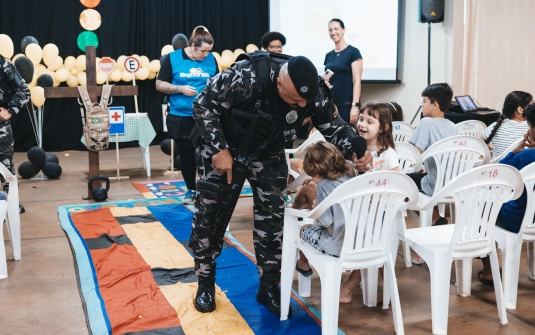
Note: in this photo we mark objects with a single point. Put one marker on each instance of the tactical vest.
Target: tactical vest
(272, 130)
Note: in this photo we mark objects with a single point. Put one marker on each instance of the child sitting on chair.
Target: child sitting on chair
(328, 169)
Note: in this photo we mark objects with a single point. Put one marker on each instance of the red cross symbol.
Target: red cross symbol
(116, 116)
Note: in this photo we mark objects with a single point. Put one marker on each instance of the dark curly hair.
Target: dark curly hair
(272, 36)
(512, 101)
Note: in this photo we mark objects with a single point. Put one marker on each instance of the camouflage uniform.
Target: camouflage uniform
(14, 94)
(234, 88)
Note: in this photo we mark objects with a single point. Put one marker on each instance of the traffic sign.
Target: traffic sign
(131, 64)
(106, 64)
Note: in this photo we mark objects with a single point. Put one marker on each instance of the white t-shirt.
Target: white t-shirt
(509, 132)
(387, 160)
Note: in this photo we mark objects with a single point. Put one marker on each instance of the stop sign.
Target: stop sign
(106, 64)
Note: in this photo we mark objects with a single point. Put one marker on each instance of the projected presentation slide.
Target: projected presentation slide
(371, 26)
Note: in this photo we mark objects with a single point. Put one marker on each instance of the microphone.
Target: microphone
(359, 146)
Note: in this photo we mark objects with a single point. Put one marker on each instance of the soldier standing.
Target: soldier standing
(290, 92)
(14, 94)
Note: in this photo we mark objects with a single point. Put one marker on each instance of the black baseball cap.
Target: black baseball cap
(304, 76)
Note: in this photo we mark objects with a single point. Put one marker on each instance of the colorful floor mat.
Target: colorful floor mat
(173, 188)
(135, 275)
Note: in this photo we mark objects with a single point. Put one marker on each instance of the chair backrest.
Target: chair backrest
(478, 196)
(471, 127)
(498, 158)
(410, 159)
(455, 155)
(402, 131)
(313, 138)
(369, 203)
(528, 223)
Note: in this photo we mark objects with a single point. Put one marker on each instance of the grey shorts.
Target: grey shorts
(312, 235)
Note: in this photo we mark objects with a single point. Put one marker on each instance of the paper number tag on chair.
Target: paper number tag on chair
(488, 174)
(379, 182)
(397, 127)
(461, 143)
(469, 126)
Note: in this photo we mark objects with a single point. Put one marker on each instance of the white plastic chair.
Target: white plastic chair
(369, 202)
(410, 159)
(453, 156)
(498, 158)
(478, 195)
(511, 243)
(402, 131)
(313, 138)
(471, 128)
(10, 211)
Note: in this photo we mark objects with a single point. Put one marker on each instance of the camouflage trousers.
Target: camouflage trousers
(7, 147)
(268, 179)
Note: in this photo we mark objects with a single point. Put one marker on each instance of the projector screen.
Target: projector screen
(371, 26)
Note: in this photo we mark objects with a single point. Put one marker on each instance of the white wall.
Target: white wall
(446, 57)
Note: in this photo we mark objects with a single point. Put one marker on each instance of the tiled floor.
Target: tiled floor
(40, 296)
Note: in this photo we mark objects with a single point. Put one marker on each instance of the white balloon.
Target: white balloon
(154, 66)
(167, 49)
(50, 53)
(34, 53)
(70, 63)
(72, 81)
(62, 74)
(6, 46)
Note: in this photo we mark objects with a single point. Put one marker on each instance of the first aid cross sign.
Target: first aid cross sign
(131, 64)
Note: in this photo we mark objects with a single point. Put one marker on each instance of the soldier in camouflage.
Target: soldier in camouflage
(14, 94)
(295, 94)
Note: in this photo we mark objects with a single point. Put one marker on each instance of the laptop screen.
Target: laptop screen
(466, 103)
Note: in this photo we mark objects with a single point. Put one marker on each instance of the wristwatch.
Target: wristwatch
(355, 104)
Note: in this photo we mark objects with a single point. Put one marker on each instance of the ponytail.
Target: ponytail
(200, 35)
(496, 126)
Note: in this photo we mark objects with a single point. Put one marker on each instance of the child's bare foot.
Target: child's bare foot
(346, 296)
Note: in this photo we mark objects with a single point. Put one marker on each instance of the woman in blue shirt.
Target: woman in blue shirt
(183, 75)
(345, 61)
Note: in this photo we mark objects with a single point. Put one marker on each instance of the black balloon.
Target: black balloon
(25, 68)
(166, 147)
(37, 156)
(177, 162)
(28, 170)
(45, 80)
(52, 158)
(179, 41)
(27, 40)
(52, 170)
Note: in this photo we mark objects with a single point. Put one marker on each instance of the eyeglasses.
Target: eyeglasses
(274, 47)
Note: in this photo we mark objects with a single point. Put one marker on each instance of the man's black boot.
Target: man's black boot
(270, 296)
(205, 297)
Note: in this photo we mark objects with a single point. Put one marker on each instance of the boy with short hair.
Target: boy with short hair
(432, 128)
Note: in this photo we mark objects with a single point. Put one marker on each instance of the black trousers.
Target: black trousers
(179, 128)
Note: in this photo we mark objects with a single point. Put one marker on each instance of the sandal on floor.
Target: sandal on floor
(417, 260)
(484, 281)
(303, 272)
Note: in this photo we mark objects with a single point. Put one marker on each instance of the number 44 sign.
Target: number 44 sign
(379, 182)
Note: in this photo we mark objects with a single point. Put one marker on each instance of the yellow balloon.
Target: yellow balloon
(152, 75)
(142, 73)
(144, 60)
(216, 55)
(50, 53)
(251, 48)
(58, 62)
(126, 76)
(80, 63)
(82, 78)
(34, 53)
(167, 49)
(70, 63)
(38, 96)
(101, 77)
(34, 79)
(238, 52)
(120, 62)
(227, 53)
(116, 75)
(62, 74)
(56, 81)
(72, 81)
(6, 46)
(154, 66)
(74, 72)
(15, 58)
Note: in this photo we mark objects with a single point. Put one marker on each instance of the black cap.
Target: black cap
(304, 76)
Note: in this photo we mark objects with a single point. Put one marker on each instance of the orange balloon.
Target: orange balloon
(90, 3)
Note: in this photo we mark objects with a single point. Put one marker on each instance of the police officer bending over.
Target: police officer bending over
(244, 116)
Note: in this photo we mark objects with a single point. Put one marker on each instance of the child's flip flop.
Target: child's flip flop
(303, 272)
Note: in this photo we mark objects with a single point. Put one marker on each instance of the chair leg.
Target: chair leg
(390, 281)
(531, 260)
(498, 289)
(407, 254)
(463, 276)
(369, 286)
(510, 269)
(289, 257)
(3, 262)
(330, 298)
(440, 293)
(303, 285)
(426, 218)
(452, 213)
(442, 210)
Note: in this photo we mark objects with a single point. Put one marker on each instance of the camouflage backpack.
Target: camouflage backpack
(96, 121)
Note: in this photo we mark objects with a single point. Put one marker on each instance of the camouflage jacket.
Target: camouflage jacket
(234, 87)
(14, 93)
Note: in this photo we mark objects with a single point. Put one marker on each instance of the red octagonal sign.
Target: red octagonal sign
(106, 64)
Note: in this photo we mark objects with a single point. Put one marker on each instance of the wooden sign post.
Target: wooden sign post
(94, 92)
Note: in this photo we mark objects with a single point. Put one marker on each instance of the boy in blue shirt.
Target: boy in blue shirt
(512, 213)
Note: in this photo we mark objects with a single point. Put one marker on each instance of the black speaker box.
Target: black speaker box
(431, 11)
